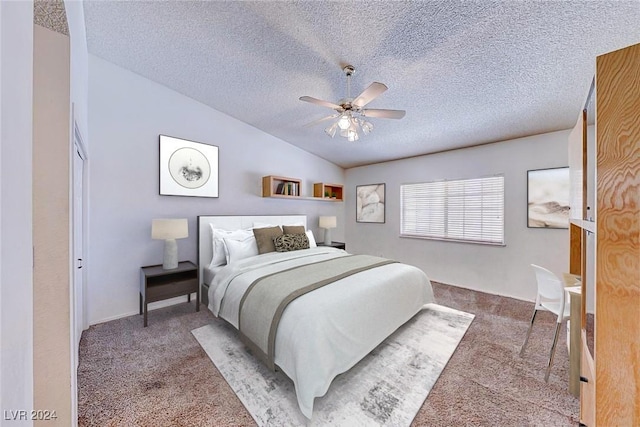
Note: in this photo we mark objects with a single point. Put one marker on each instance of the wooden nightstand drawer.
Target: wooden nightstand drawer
(172, 289)
(157, 284)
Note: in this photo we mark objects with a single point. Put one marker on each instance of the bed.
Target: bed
(334, 307)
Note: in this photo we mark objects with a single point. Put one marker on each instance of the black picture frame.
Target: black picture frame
(370, 203)
(548, 198)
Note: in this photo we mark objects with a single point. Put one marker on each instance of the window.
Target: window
(468, 210)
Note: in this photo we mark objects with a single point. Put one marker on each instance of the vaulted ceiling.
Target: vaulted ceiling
(466, 72)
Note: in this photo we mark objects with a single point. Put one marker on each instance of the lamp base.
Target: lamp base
(327, 236)
(170, 254)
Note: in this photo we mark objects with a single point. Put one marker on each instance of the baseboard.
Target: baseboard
(150, 307)
(500, 294)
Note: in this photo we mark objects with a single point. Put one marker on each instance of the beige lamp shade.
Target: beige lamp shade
(169, 230)
(327, 222)
(164, 229)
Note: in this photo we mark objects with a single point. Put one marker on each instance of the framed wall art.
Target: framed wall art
(370, 203)
(548, 198)
(188, 168)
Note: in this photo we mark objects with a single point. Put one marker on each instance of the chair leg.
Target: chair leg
(526, 339)
(553, 352)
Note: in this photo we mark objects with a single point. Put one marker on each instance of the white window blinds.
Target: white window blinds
(469, 210)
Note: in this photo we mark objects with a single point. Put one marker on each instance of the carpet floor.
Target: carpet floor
(160, 376)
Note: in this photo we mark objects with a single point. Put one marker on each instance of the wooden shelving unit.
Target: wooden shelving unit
(291, 188)
(328, 191)
(606, 251)
(280, 186)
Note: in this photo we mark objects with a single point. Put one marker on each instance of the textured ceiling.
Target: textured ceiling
(51, 14)
(466, 72)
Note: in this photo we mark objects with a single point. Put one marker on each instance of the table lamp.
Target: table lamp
(327, 222)
(169, 230)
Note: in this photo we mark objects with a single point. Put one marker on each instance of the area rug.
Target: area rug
(386, 388)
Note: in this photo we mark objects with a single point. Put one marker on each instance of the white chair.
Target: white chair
(551, 297)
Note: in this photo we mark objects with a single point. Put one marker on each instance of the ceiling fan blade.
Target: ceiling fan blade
(320, 102)
(315, 122)
(374, 90)
(384, 114)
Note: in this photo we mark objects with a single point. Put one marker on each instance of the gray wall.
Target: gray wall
(16, 238)
(492, 269)
(127, 113)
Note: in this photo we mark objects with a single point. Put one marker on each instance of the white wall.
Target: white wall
(16, 279)
(79, 96)
(492, 269)
(127, 113)
(79, 64)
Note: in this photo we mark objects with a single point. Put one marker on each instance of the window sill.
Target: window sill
(475, 242)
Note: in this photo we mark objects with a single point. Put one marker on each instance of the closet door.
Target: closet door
(79, 312)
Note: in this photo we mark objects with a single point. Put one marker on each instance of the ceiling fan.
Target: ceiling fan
(350, 112)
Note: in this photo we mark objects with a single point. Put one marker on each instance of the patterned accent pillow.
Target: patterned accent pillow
(291, 242)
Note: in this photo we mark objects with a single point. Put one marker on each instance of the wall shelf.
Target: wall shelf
(328, 191)
(584, 224)
(280, 187)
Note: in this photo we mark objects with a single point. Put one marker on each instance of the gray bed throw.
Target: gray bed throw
(266, 298)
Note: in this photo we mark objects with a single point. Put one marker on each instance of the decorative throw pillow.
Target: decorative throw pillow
(291, 242)
(240, 249)
(219, 254)
(293, 229)
(264, 238)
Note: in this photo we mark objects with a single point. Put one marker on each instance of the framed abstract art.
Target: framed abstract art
(370, 203)
(188, 168)
(548, 198)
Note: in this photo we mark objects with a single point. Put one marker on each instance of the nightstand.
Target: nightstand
(337, 245)
(158, 284)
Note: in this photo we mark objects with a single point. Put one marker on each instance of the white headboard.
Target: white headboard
(230, 222)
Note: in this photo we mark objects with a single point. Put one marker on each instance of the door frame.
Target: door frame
(77, 146)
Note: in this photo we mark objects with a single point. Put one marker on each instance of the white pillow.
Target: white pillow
(219, 252)
(240, 249)
(262, 225)
(312, 240)
(265, 225)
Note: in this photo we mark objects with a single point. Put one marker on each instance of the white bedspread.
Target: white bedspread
(325, 332)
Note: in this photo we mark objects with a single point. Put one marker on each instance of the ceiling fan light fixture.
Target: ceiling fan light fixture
(331, 130)
(350, 111)
(367, 127)
(345, 121)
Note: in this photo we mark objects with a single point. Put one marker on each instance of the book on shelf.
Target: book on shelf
(288, 188)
